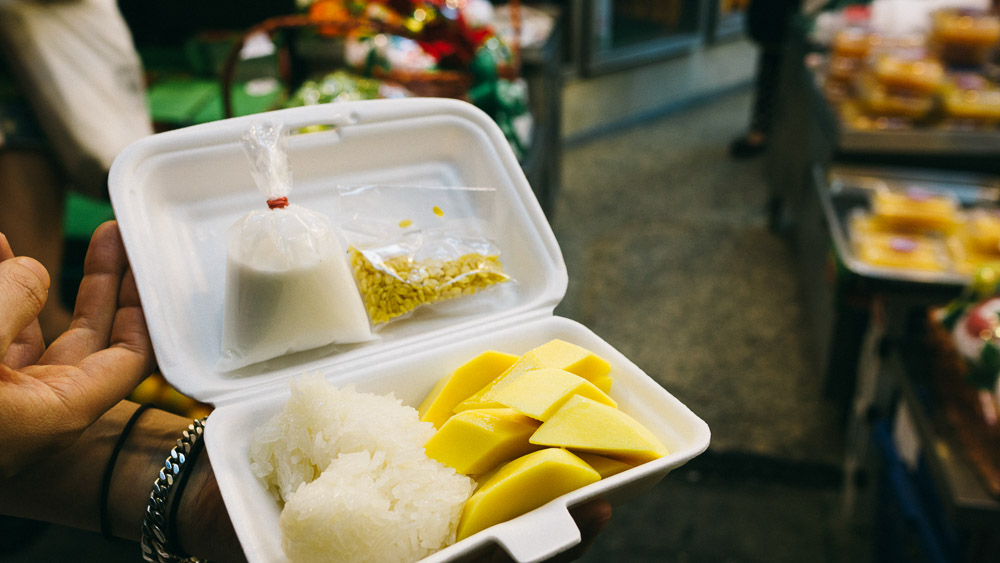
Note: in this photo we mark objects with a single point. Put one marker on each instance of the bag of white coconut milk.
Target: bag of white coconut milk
(288, 284)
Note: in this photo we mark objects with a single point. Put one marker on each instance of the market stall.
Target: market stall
(883, 175)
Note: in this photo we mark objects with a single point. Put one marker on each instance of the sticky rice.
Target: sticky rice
(350, 470)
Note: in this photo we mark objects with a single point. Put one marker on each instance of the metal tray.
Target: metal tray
(843, 190)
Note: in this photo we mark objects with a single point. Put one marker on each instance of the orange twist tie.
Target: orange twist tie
(277, 203)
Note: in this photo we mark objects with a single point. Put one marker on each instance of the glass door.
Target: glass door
(621, 33)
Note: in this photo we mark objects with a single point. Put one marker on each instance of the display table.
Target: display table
(808, 140)
(807, 131)
(867, 322)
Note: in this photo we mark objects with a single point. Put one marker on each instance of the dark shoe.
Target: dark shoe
(745, 148)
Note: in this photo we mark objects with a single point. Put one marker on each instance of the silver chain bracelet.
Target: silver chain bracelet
(155, 541)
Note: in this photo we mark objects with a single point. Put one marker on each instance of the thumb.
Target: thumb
(24, 287)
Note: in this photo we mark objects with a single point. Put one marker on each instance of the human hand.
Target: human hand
(48, 397)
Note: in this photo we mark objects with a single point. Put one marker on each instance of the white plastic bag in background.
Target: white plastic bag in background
(414, 246)
(75, 63)
(288, 284)
(900, 18)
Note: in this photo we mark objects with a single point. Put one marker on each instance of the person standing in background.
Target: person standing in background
(768, 23)
(72, 95)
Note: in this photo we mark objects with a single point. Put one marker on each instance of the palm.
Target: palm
(48, 396)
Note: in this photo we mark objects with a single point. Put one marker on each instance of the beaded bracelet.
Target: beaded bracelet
(156, 541)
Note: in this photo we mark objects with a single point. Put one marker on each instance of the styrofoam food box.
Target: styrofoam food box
(175, 194)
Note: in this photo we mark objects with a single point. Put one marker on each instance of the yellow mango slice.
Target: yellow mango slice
(603, 382)
(570, 357)
(539, 393)
(589, 426)
(557, 354)
(483, 399)
(523, 485)
(463, 382)
(605, 466)
(477, 441)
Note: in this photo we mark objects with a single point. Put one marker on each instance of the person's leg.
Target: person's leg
(765, 84)
(31, 216)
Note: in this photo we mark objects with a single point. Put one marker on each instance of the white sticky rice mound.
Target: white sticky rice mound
(365, 509)
(356, 484)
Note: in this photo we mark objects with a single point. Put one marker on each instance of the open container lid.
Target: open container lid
(175, 194)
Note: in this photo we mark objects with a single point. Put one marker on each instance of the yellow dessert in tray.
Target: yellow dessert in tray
(908, 70)
(963, 36)
(976, 243)
(983, 227)
(916, 209)
(910, 252)
(880, 100)
(971, 97)
(854, 42)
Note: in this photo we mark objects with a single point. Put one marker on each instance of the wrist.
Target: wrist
(139, 463)
(204, 528)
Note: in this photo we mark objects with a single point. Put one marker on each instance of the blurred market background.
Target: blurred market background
(767, 293)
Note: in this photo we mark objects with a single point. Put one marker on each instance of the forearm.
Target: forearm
(65, 489)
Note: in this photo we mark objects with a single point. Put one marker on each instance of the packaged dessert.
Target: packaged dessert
(288, 285)
(862, 223)
(911, 71)
(844, 68)
(852, 115)
(983, 227)
(967, 254)
(880, 101)
(904, 251)
(854, 42)
(971, 97)
(412, 246)
(916, 209)
(964, 37)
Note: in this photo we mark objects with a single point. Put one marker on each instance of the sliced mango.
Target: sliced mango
(483, 398)
(589, 426)
(603, 382)
(463, 382)
(606, 466)
(539, 393)
(479, 440)
(570, 357)
(557, 354)
(523, 485)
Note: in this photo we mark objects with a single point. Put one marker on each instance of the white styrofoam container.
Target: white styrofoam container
(175, 194)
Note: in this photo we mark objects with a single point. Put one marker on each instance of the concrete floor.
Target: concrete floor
(671, 261)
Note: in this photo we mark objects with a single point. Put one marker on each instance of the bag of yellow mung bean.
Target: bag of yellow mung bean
(414, 246)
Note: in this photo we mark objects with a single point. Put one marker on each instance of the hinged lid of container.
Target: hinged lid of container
(175, 194)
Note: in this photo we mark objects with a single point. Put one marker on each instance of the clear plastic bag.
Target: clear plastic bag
(413, 246)
(288, 284)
